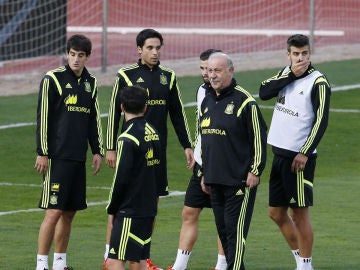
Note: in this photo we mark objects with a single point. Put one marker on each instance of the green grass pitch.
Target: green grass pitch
(335, 214)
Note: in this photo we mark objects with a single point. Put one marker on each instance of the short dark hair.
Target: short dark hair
(298, 41)
(145, 34)
(79, 43)
(133, 99)
(205, 54)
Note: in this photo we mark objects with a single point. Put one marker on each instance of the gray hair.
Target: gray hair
(229, 62)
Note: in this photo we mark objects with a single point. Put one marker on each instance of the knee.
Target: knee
(68, 216)
(300, 216)
(52, 216)
(294, 217)
(278, 215)
(189, 214)
(273, 214)
(115, 264)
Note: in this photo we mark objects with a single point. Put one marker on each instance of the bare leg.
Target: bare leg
(138, 266)
(286, 225)
(305, 232)
(113, 264)
(62, 231)
(47, 230)
(189, 228)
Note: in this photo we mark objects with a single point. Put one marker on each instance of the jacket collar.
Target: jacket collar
(85, 72)
(144, 66)
(226, 91)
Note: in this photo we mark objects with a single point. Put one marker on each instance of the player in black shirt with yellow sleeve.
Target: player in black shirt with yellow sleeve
(68, 120)
(134, 192)
(164, 99)
(233, 135)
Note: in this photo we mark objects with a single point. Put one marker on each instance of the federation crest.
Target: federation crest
(53, 199)
(87, 87)
(163, 79)
(229, 109)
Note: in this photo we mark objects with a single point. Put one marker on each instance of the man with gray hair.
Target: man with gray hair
(233, 134)
(196, 198)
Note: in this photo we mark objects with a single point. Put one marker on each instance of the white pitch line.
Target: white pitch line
(15, 125)
(191, 104)
(31, 210)
(89, 204)
(39, 185)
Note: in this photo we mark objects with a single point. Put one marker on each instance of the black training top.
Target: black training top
(68, 116)
(164, 98)
(233, 134)
(134, 190)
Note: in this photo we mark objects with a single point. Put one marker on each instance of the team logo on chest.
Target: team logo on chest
(281, 100)
(140, 80)
(70, 99)
(205, 122)
(163, 79)
(87, 87)
(71, 102)
(229, 108)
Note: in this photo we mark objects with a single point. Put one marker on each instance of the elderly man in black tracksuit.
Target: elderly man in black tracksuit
(233, 136)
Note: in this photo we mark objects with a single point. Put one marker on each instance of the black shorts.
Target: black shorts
(291, 189)
(64, 186)
(131, 239)
(194, 196)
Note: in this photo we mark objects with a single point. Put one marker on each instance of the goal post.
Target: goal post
(31, 29)
(33, 32)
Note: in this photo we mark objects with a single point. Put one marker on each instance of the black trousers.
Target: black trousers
(233, 208)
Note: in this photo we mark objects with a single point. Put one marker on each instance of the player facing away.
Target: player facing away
(68, 120)
(133, 195)
(196, 197)
(298, 123)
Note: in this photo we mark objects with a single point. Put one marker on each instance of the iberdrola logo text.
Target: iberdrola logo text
(151, 161)
(72, 100)
(211, 131)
